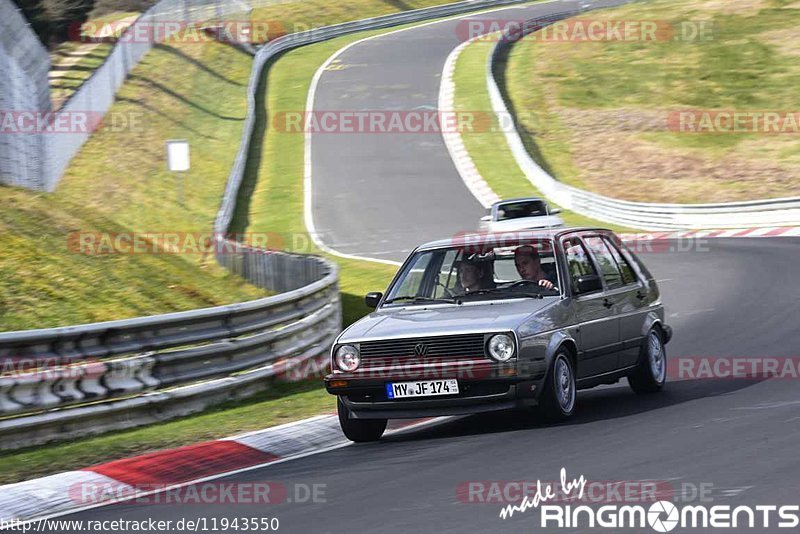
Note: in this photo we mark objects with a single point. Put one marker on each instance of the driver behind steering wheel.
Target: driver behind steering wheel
(529, 266)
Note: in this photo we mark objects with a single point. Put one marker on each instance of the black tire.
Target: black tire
(559, 397)
(359, 430)
(651, 372)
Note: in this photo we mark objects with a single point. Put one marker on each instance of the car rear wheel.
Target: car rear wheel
(559, 395)
(359, 430)
(651, 373)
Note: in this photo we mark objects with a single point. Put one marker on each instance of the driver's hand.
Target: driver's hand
(547, 284)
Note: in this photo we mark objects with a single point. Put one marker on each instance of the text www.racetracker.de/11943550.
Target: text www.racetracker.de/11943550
(200, 524)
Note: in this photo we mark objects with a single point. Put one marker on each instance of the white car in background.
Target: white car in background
(521, 214)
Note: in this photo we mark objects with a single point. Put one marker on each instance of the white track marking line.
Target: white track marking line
(308, 215)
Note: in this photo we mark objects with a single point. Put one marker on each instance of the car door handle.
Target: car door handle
(607, 303)
(640, 295)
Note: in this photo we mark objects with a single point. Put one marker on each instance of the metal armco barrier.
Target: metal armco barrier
(166, 360)
(120, 374)
(647, 216)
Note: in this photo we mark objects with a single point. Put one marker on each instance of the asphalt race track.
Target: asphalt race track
(381, 195)
(725, 298)
(728, 298)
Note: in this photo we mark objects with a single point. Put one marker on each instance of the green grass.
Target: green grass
(276, 207)
(118, 183)
(489, 149)
(73, 62)
(574, 99)
(283, 403)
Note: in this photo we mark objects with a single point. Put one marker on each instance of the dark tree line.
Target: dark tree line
(55, 21)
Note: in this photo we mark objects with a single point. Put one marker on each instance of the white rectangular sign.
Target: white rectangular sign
(178, 155)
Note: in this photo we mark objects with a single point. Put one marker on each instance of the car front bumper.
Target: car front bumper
(366, 398)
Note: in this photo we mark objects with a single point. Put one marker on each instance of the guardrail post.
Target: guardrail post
(7, 404)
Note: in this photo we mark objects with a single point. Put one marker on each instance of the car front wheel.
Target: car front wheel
(651, 372)
(559, 395)
(359, 430)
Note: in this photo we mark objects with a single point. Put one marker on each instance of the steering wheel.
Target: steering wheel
(520, 283)
(447, 292)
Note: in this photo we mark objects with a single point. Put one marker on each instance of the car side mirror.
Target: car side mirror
(486, 218)
(554, 211)
(372, 299)
(588, 284)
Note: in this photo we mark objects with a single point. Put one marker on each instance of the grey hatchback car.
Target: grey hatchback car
(498, 321)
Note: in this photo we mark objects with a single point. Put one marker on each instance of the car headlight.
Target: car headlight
(501, 347)
(347, 358)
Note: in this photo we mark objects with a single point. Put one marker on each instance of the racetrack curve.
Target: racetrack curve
(379, 195)
(724, 297)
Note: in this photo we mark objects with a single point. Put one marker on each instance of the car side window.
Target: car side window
(606, 261)
(578, 261)
(628, 277)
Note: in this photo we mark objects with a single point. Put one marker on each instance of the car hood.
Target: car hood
(444, 319)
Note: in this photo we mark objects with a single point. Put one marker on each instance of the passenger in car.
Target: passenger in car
(529, 266)
(474, 275)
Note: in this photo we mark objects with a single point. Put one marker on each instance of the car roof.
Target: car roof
(506, 238)
(520, 199)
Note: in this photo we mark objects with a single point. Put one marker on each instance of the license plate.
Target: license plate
(424, 388)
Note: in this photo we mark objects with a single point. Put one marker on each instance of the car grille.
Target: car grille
(467, 346)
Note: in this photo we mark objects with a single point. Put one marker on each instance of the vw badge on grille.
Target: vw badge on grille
(420, 349)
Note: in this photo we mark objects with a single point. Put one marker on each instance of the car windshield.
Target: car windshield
(517, 210)
(461, 274)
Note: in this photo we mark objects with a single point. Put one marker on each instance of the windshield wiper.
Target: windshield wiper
(504, 290)
(415, 299)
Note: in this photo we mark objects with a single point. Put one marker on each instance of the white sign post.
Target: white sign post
(178, 162)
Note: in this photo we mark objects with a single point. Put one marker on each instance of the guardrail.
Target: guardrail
(119, 374)
(647, 216)
(98, 377)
